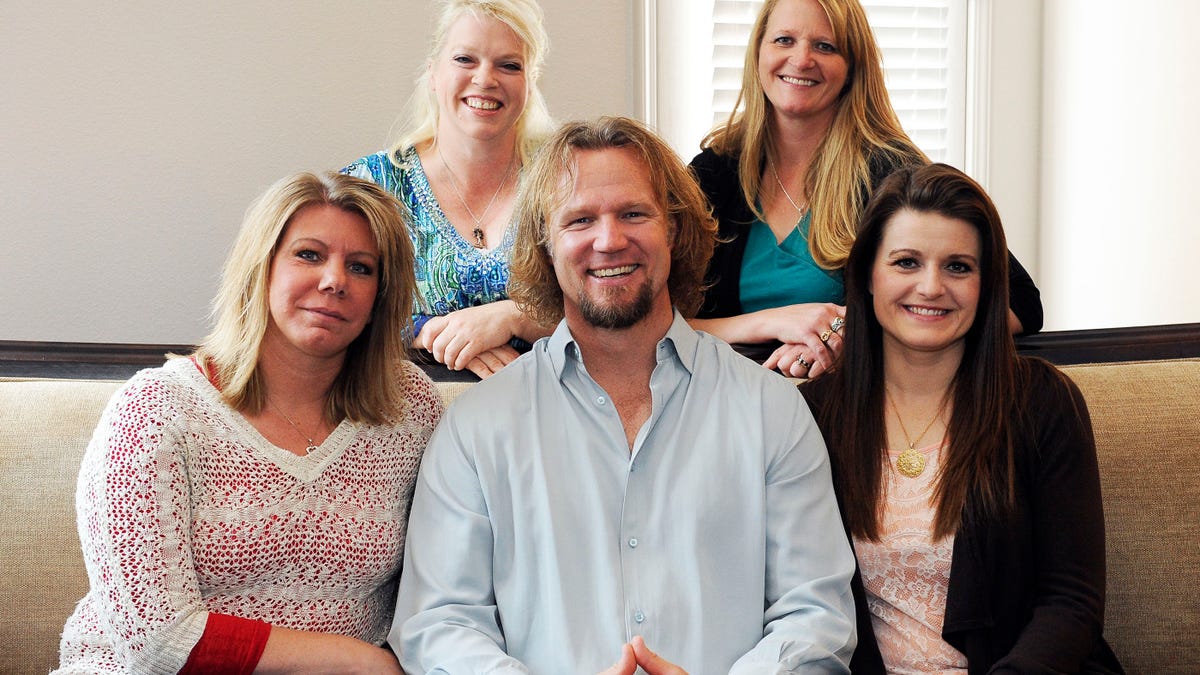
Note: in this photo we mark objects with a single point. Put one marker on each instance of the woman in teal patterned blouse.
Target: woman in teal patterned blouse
(476, 116)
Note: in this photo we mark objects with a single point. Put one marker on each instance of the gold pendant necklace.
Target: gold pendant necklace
(911, 462)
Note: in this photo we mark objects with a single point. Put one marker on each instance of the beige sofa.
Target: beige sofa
(1146, 417)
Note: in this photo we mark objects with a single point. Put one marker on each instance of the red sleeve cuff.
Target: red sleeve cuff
(230, 645)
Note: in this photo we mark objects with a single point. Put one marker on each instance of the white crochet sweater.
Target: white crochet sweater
(185, 509)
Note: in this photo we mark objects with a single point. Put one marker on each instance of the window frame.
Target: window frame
(672, 68)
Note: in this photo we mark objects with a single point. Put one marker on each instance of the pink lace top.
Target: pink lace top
(905, 575)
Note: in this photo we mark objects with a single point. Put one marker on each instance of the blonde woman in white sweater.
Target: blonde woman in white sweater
(243, 509)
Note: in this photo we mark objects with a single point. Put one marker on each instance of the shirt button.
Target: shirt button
(599, 400)
(633, 542)
(638, 616)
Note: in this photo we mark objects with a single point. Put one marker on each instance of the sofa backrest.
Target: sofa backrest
(46, 427)
(1146, 417)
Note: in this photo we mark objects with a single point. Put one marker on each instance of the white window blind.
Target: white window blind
(924, 57)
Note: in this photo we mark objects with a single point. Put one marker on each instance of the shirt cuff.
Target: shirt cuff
(230, 645)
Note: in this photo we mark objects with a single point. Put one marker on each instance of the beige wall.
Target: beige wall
(1120, 142)
(135, 134)
(1093, 139)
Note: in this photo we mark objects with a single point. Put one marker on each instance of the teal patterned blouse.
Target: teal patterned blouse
(451, 273)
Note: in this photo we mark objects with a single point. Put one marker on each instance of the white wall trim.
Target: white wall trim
(978, 126)
(645, 61)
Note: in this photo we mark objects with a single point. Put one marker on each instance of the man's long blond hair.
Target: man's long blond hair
(545, 187)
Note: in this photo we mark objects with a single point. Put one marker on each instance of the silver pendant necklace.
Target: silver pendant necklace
(477, 231)
(799, 209)
(312, 445)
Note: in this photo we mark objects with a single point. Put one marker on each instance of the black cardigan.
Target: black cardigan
(718, 177)
(1026, 591)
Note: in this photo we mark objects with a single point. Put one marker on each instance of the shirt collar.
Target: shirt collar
(680, 342)
(561, 348)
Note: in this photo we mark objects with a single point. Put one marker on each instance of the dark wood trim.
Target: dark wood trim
(81, 360)
(93, 360)
(119, 361)
(87, 352)
(1104, 345)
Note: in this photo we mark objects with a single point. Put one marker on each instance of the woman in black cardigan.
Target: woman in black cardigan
(967, 475)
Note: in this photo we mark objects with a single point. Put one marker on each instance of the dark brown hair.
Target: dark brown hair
(979, 454)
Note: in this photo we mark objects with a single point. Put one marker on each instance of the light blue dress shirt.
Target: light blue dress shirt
(539, 543)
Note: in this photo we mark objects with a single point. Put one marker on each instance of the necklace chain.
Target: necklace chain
(480, 237)
(913, 442)
(799, 209)
(312, 445)
(910, 462)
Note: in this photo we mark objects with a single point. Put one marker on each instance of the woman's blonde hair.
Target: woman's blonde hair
(864, 127)
(545, 188)
(367, 389)
(525, 19)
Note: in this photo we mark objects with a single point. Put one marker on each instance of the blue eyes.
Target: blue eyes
(588, 220)
(357, 268)
(820, 45)
(510, 66)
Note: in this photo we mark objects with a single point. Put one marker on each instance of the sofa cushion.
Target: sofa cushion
(1146, 417)
(47, 425)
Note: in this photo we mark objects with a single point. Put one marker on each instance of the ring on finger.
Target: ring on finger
(801, 361)
(825, 335)
(837, 324)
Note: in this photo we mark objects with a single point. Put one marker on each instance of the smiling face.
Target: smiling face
(925, 282)
(323, 281)
(479, 79)
(610, 243)
(801, 67)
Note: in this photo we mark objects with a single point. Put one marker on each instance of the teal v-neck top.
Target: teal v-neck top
(778, 274)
